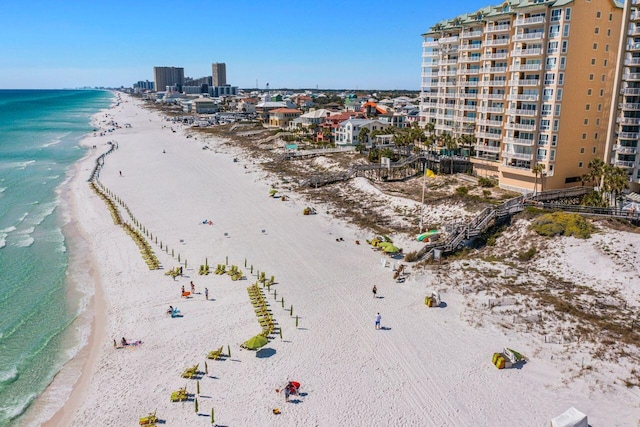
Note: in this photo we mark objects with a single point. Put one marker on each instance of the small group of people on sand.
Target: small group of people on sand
(125, 343)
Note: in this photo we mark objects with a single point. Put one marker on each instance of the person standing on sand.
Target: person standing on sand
(375, 290)
(182, 291)
(378, 318)
(206, 294)
(193, 288)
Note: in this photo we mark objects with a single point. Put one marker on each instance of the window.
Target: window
(596, 30)
(611, 17)
(609, 32)
(567, 14)
(606, 48)
(586, 122)
(561, 78)
(552, 47)
(556, 123)
(546, 109)
(564, 46)
(559, 95)
(551, 63)
(593, 150)
(587, 107)
(591, 77)
(543, 139)
(595, 46)
(554, 140)
(556, 15)
(549, 78)
(542, 154)
(593, 61)
(598, 13)
(557, 110)
(554, 31)
(565, 31)
(580, 164)
(584, 136)
(595, 136)
(588, 92)
(582, 150)
(604, 63)
(597, 122)
(544, 124)
(547, 94)
(553, 155)
(601, 93)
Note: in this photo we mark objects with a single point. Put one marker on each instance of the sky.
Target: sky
(329, 44)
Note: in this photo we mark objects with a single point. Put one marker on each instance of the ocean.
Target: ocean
(40, 300)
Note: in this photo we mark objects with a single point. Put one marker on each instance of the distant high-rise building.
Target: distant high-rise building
(168, 76)
(219, 73)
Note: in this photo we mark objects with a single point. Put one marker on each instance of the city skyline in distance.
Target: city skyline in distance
(288, 44)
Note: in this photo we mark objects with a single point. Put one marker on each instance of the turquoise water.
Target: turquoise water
(39, 135)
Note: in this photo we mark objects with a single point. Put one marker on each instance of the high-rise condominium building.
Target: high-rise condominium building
(168, 76)
(624, 131)
(529, 82)
(219, 73)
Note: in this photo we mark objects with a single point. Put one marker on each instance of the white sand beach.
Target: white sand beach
(425, 367)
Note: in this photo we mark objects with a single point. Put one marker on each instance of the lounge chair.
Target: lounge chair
(179, 395)
(150, 419)
(190, 372)
(215, 354)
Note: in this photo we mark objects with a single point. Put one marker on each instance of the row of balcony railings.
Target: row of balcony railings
(629, 106)
(625, 164)
(628, 120)
(624, 149)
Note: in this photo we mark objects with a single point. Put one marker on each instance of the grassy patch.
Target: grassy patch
(563, 224)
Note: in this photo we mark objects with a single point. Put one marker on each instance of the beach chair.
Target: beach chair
(180, 395)
(150, 419)
(190, 372)
(215, 354)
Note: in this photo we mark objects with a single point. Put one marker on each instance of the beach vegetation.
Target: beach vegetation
(487, 182)
(411, 256)
(527, 255)
(563, 224)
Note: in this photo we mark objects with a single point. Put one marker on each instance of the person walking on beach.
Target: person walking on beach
(375, 290)
(206, 294)
(193, 288)
(120, 173)
(182, 291)
(378, 318)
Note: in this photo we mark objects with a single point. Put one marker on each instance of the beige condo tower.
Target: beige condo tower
(531, 81)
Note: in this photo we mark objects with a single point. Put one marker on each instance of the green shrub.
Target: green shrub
(527, 255)
(462, 191)
(564, 224)
(486, 193)
(486, 182)
(411, 256)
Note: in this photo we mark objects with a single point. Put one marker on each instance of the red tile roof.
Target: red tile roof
(286, 110)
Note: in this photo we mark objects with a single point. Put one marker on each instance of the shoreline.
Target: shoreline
(46, 409)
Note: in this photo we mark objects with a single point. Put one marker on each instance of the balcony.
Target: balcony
(623, 149)
(497, 83)
(469, 83)
(442, 126)
(467, 107)
(431, 54)
(631, 77)
(497, 110)
(632, 61)
(467, 119)
(523, 97)
(526, 67)
(448, 62)
(525, 82)
(630, 91)
(496, 42)
(447, 73)
(471, 46)
(492, 96)
(628, 135)
(529, 36)
(624, 164)
(529, 21)
(521, 112)
(519, 141)
(628, 120)
(493, 56)
(633, 47)
(517, 156)
(433, 43)
(487, 148)
(452, 39)
(470, 59)
(489, 135)
(629, 107)
(634, 31)
(468, 71)
(520, 126)
(494, 123)
(497, 28)
(527, 52)
(494, 70)
(471, 34)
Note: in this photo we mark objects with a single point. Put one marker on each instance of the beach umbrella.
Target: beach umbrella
(272, 192)
(385, 244)
(390, 249)
(255, 342)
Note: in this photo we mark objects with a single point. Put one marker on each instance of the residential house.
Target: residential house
(348, 131)
(281, 117)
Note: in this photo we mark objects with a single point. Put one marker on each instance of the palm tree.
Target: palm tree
(451, 144)
(537, 169)
(614, 182)
(363, 135)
